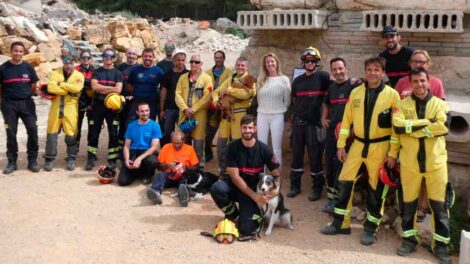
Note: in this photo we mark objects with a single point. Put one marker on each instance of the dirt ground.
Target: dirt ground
(68, 217)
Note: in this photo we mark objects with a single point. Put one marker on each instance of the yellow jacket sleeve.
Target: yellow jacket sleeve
(74, 85)
(206, 97)
(222, 89)
(406, 126)
(434, 129)
(53, 85)
(345, 125)
(179, 94)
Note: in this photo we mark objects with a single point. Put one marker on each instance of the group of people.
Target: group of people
(362, 124)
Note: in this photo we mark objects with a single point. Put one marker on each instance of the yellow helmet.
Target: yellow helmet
(225, 232)
(311, 51)
(114, 102)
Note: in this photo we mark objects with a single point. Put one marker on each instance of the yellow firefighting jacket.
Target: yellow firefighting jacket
(242, 94)
(354, 114)
(226, 74)
(421, 132)
(199, 105)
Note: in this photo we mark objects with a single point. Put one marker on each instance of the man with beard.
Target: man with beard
(168, 108)
(167, 63)
(143, 83)
(142, 141)
(219, 75)
(105, 80)
(18, 83)
(396, 55)
(246, 159)
(308, 91)
(125, 69)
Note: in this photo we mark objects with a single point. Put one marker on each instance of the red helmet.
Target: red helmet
(42, 91)
(106, 174)
(389, 176)
(175, 170)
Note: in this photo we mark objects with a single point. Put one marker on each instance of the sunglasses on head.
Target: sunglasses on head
(310, 61)
(194, 62)
(108, 56)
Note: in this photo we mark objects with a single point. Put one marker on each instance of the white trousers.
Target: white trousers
(273, 123)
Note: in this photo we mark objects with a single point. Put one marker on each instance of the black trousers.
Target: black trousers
(147, 168)
(333, 165)
(25, 109)
(98, 114)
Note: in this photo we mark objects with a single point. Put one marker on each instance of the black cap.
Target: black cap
(389, 30)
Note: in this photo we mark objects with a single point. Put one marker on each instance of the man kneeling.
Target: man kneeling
(174, 159)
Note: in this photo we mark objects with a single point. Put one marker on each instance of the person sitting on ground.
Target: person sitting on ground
(142, 139)
(174, 158)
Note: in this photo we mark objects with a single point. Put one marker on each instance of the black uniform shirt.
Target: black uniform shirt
(16, 80)
(250, 161)
(165, 65)
(170, 80)
(309, 92)
(125, 70)
(337, 97)
(106, 77)
(397, 65)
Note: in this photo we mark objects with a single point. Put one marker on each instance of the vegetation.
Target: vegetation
(165, 9)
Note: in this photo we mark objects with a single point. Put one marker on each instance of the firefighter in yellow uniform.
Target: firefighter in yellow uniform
(219, 74)
(421, 121)
(192, 96)
(229, 128)
(66, 84)
(368, 111)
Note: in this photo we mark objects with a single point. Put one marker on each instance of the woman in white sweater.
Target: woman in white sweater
(273, 97)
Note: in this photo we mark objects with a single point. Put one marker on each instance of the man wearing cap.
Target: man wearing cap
(396, 55)
(308, 91)
(167, 63)
(105, 80)
(219, 73)
(168, 108)
(192, 96)
(66, 84)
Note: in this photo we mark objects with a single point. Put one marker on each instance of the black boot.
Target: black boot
(33, 166)
(11, 167)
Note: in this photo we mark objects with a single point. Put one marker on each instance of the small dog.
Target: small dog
(199, 181)
(274, 211)
(227, 101)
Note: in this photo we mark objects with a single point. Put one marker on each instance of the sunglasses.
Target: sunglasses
(169, 47)
(85, 58)
(194, 62)
(67, 60)
(108, 56)
(310, 61)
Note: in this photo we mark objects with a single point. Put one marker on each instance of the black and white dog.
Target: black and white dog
(199, 181)
(274, 211)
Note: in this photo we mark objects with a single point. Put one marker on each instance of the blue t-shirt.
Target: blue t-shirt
(146, 82)
(141, 136)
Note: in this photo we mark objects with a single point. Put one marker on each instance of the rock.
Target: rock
(4, 58)
(74, 33)
(118, 29)
(357, 213)
(204, 24)
(147, 36)
(131, 27)
(37, 34)
(97, 34)
(8, 40)
(3, 31)
(141, 23)
(44, 69)
(224, 23)
(32, 49)
(50, 50)
(122, 44)
(34, 58)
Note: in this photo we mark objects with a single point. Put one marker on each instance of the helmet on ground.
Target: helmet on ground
(106, 174)
(114, 102)
(389, 176)
(311, 52)
(188, 126)
(42, 91)
(225, 232)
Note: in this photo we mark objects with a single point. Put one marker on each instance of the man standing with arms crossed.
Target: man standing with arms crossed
(18, 83)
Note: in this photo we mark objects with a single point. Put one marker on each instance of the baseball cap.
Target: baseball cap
(389, 30)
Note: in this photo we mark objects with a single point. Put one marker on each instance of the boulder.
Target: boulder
(131, 27)
(34, 58)
(4, 58)
(97, 34)
(50, 50)
(204, 24)
(74, 33)
(118, 29)
(32, 49)
(224, 23)
(141, 23)
(8, 40)
(147, 36)
(122, 44)
(3, 31)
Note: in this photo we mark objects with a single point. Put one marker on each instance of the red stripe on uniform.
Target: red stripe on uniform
(107, 82)
(340, 101)
(251, 170)
(307, 93)
(396, 74)
(17, 80)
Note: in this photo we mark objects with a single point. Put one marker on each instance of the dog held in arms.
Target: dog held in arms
(227, 101)
(274, 211)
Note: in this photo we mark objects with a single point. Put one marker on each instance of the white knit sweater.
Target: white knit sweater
(274, 96)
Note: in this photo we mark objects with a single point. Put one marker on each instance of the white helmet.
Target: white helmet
(179, 51)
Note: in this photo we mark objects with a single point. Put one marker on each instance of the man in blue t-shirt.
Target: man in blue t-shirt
(141, 144)
(143, 83)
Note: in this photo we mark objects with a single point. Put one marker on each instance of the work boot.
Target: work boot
(48, 165)
(90, 163)
(368, 238)
(70, 164)
(406, 248)
(332, 230)
(294, 191)
(154, 196)
(11, 167)
(329, 207)
(442, 254)
(183, 195)
(314, 195)
(33, 166)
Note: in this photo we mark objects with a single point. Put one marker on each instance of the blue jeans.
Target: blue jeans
(161, 181)
(171, 117)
